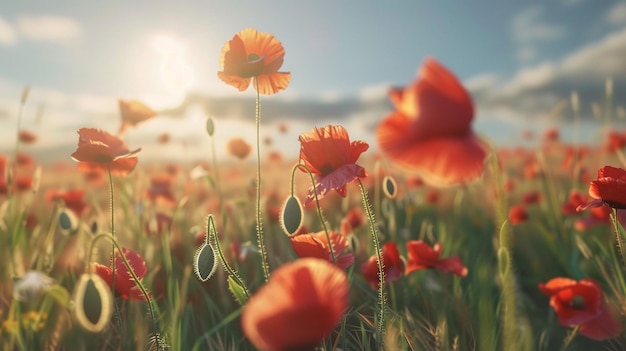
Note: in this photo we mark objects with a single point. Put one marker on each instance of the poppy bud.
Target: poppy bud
(204, 262)
(93, 303)
(68, 222)
(210, 127)
(291, 215)
(390, 187)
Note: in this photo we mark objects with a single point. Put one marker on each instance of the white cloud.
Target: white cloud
(529, 26)
(49, 28)
(7, 33)
(526, 54)
(617, 14)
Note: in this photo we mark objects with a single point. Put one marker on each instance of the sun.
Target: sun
(175, 73)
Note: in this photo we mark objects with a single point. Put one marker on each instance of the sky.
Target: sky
(520, 61)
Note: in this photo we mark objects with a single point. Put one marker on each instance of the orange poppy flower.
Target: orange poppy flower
(422, 256)
(581, 303)
(430, 131)
(99, 149)
(251, 54)
(73, 199)
(316, 245)
(239, 148)
(125, 286)
(299, 306)
(393, 266)
(27, 137)
(331, 157)
(133, 112)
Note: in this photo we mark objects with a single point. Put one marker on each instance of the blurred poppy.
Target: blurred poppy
(251, 54)
(239, 148)
(575, 199)
(160, 190)
(580, 303)
(27, 137)
(299, 306)
(393, 266)
(531, 197)
(331, 157)
(422, 256)
(432, 196)
(163, 138)
(316, 245)
(518, 214)
(24, 160)
(354, 219)
(133, 112)
(73, 199)
(99, 149)
(551, 134)
(125, 286)
(430, 130)
(609, 189)
(615, 141)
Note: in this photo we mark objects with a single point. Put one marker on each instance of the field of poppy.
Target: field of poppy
(437, 241)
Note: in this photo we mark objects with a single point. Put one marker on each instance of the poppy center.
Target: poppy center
(577, 302)
(254, 58)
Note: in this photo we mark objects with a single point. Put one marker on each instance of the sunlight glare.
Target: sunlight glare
(175, 73)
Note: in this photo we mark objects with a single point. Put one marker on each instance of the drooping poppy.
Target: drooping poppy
(239, 148)
(430, 133)
(422, 256)
(251, 54)
(133, 112)
(125, 286)
(393, 266)
(99, 149)
(73, 199)
(316, 245)
(300, 305)
(331, 157)
(609, 189)
(581, 303)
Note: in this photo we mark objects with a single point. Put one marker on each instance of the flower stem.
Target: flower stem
(618, 238)
(112, 210)
(259, 220)
(379, 258)
(317, 204)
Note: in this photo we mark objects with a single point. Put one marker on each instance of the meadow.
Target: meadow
(439, 240)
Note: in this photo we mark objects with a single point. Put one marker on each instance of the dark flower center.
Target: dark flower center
(577, 302)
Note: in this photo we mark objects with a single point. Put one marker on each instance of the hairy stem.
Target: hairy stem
(259, 220)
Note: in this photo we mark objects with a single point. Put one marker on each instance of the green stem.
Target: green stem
(211, 238)
(379, 259)
(112, 210)
(259, 220)
(331, 247)
(618, 238)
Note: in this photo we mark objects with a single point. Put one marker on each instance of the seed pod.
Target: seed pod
(205, 262)
(93, 303)
(390, 187)
(291, 215)
(68, 221)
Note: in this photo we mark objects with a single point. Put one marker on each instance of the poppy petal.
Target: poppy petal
(269, 84)
(452, 265)
(238, 82)
(605, 326)
(336, 180)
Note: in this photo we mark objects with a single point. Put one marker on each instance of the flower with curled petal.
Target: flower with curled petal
(98, 149)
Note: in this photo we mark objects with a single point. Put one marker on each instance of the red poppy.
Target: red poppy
(331, 157)
(160, 190)
(299, 306)
(551, 134)
(125, 286)
(352, 220)
(23, 183)
(73, 199)
(393, 266)
(133, 112)
(27, 137)
(518, 214)
(24, 160)
(430, 131)
(575, 199)
(609, 188)
(316, 245)
(422, 256)
(615, 141)
(251, 54)
(239, 148)
(531, 197)
(432, 196)
(580, 303)
(99, 149)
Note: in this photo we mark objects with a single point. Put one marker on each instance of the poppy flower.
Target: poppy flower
(125, 286)
(531, 197)
(551, 134)
(300, 305)
(161, 190)
(422, 256)
(27, 137)
(518, 214)
(430, 133)
(316, 245)
(393, 266)
(609, 189)
(575, 199)
(581, 303)
(99, 149)
(251, 54)
(24, 160)
(239, 148)
(331, 157)
(133, 112)
(73, 199)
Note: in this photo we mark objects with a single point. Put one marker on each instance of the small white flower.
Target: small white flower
(31, 285)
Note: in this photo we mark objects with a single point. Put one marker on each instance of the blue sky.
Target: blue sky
(519, 59)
